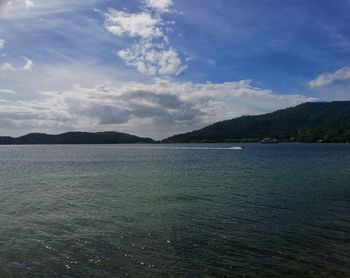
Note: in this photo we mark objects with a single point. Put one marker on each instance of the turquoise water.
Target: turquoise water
(154, 211)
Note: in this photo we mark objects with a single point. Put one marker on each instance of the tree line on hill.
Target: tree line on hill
(309, 122)
(75, 138)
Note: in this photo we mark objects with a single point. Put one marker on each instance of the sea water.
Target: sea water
(175, 211)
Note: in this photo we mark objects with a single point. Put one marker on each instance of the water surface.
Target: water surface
(175, 211)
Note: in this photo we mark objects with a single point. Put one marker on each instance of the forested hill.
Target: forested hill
(75, 138)
(308, 122)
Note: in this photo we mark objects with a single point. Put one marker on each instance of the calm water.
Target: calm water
(116, 211)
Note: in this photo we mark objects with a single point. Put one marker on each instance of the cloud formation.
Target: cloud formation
(28, 66)
(7, 67)
(328, 78)
(25, 9)
(159, 5)
(29, 3)
(151, 53)
(15, 4)
(2, 44)
(152, 59)
(61, 91)
(133, 25)
(143, 108)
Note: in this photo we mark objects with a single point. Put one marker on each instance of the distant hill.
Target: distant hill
(308, 122)
(75, 138)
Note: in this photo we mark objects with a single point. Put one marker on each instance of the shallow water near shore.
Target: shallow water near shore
(175, 211)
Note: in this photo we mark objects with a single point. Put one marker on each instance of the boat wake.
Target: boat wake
(177, 148)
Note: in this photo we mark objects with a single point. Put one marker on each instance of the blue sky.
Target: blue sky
(158, 67)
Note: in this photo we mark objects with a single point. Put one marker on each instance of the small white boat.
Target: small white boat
(237, 148)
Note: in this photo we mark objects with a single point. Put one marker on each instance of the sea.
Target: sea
(280, 210)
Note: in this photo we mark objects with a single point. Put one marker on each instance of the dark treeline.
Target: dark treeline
(308, 122)
(75, 138)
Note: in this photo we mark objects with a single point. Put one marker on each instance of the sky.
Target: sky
(160, 67)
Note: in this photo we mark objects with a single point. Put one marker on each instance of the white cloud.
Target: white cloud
(2, 44)
(28, 65)
(328, 78)
(152, 53)
(7, 67)
(159, 5)
(29, 3)
(7, 91)
(14, 9)
(133, 25)
(152, 59)
(51, 102)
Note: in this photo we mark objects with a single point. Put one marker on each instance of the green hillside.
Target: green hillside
(308, 122)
